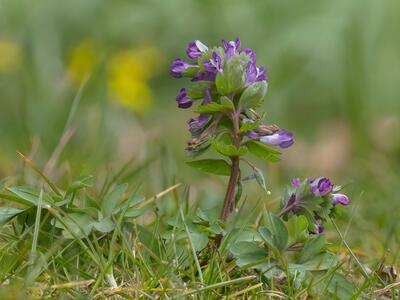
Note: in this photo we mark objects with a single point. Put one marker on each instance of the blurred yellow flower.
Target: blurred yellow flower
(10, 55)
(128, 75)
(82, 61)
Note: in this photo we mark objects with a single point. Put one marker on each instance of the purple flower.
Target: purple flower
(340, 199)
(207, 96)
(261, 74)
(254, 74)
(213, 65)
(250, 53)
(282, 138)
(179, 66)
(183, 99)
(296, 181)
(321, 186)
(251, 73)
(204, 76)
(195, 49)
(252, 134)
(319, 228)
(196, 125)
(231, 47)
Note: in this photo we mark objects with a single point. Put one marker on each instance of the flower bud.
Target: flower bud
(231, 47)
(196, 125)
(282, 138)
(181, 68)
(195, 49)
(183, 99)
(321, 186)
(296, 181)
(340, 199)
(214, 65)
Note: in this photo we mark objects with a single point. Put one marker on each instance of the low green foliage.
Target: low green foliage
(84, 243)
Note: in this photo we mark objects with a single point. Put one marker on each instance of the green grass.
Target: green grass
(46, 252)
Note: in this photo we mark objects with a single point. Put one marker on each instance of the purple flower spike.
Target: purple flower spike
(183, 99)
(179, 66)
(195, 49)
(340, 199)
(296, 181)
(196, 125)
(282, 138)
(231, 47)
(321, 186)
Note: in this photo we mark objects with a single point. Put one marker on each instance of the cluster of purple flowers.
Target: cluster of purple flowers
(318, 195)
(204, 68)
(324, 187)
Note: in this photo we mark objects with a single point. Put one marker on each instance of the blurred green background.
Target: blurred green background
(334, 71)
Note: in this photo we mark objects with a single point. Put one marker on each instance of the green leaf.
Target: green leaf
(196, 90)
(226, 102)
(276, 235)
(149, 240)
(105, 225)
(268, 238)
(323, 261)
(214, 166)
(131, 202)
(248, 126)
(199, 149)
(278, 228)
(133, 212)
(199, 240)
(7, 213)
(297, 227)
(339, 286)
(262, 151)
(233, 79)
(228, 150)
(260, 178)
(312, 247)
(79, 184)
(238, 193)
(28, 196)
(80, 224)
(110, 201)
(202, 216)
(247, 253)
(253, 95)
(17, 199)
(214, 107)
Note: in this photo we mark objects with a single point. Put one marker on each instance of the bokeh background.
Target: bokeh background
(101, 67)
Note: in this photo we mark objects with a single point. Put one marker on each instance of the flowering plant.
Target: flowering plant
(316, 199)
(227, 87)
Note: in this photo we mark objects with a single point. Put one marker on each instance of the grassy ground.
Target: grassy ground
(96, 240)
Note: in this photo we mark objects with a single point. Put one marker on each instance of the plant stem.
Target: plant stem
(230, 191)
(234, 177)
(285, 210)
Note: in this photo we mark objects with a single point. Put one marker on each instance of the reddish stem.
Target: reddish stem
(234, 177)
(230, 192)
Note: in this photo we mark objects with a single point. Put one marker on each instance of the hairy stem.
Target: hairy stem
(234, 177)
(230, 191)
(285, 210)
